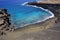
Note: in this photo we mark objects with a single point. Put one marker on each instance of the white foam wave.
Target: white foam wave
(24, 3)
(52, 15)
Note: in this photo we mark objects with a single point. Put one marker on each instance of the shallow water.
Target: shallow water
(22, 15)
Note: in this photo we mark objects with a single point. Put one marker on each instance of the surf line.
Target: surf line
(46, 10)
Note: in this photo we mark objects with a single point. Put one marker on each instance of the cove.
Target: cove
(23, 15)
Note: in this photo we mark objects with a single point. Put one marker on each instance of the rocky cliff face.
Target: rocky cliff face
(5, 24)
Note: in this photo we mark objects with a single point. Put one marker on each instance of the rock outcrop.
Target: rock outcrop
(5, 24)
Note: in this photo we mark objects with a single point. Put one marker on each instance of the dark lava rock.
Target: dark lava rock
(55, 8)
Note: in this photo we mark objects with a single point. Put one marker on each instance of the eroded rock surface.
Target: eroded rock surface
(5, 24)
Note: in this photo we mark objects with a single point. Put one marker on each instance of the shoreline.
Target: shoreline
(52, 15)
(55, 8)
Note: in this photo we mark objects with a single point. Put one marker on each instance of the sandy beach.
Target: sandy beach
(47, 30)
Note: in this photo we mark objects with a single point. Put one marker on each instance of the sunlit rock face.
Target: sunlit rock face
(48, 1)
(22, 15)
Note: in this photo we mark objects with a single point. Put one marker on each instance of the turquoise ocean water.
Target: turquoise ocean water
(22, 15)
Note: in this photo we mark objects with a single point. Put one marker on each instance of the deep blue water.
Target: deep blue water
(23, 15)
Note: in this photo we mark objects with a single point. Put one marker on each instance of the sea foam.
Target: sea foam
(52, 15)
